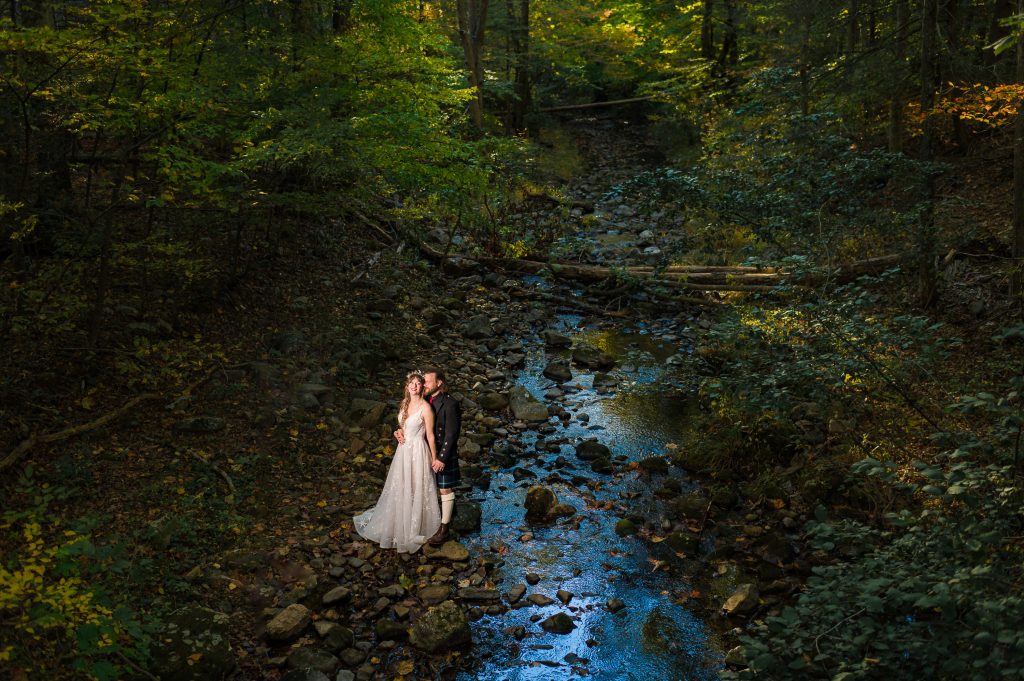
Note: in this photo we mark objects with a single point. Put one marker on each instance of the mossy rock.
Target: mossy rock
(625, 527)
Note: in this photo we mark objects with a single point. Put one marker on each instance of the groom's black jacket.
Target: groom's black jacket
(447, 425)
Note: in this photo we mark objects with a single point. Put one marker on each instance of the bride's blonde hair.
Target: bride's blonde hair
(402, 409)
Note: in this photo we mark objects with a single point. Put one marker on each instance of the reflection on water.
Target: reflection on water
(653, 637)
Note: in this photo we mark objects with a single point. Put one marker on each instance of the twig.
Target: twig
(219, 471)
(126, 660)
(834, 627)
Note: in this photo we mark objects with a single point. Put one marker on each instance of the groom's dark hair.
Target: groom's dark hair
(437, 372)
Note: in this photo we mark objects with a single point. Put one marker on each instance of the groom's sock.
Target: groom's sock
(447, 504)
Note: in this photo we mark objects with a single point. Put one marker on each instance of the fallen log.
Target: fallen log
(593, 105)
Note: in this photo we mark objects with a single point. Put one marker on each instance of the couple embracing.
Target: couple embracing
(426, 462)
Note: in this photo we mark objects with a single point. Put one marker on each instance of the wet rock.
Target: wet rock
(736, 657)
(564, 596)
(305, 675)
(743, 601)
(773, 548)
(540, 600)
(478, 595)
(515, 593)
(339, 638)
(450, 550)
(466, 517)
(539, 502)
(683, 542)
(200, 424)
(555, 340)
(194, 645)
(625, 527)
(289, 623)
(601, 465)
(589, 450)
(352, 656)
(337, 595)
(478, 327)
(562, 510)
(392, 591)
(558, 372)
(492, 401)
(532, 578)
(520, 474)
(603, 380)
(433, 594)
(307, 658)
(525, 407)
(592, 358)
(653, 464)
(441, 629)
(559, 623)
(390, 630)
(691, 506)
(614, 605)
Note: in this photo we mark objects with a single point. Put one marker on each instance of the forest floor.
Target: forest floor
(238, 497)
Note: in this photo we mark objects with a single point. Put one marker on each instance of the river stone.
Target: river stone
(625, 527)
(390, 630)
(564, 596)
(492, 401)
(305, 675)
(450, 550)
(539, 502)
(601, 465)
(615, 604)
(466, 517)
(588, 450)
(392, 591)
(736, 657)
(683, 542)
(477, 595)
(440, 629)
(562, 510)
(478, 327)
(515, 593)
(653, 464)
(540, 600)
(339, 594)
(692, 506)
(555, 339)
(603, 380)
(345, 675)
(592, 358)
(339, 638)
(559, 623)
(432, 594)
(526, 407)
(289, 623)
(193, 645)
(558, 372)
(743, 601)
(307, 658)
(200, 424)
(773, 548)
(367, 413)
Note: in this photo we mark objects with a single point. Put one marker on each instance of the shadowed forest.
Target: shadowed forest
(228, 228)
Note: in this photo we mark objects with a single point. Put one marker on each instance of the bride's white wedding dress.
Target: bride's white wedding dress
(407, 513)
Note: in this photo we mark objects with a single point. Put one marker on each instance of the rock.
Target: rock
(691, 506)
(592, 358)
(392, 591)
(603, 380)
(539, 502)
(345, 675)
(562, 510)
(432, 594)
(492, 401)
(367, 413)
(773, 548)
(683, 542)
(200, 424)
(520, 474)
(615, 604)
(558, 372)
(743, 601)
(305, 675)
(193, 645)
(390, 630)
(466, 517)
(540, 600)
(286, 342)
(288, 624)
(588, 450)
(478, 595)
(625, 527)
(339, 594)
(515, 593)
(555, 340)
(564, 596)
(450, 550)
(532, 578)
(440, 629)
(559, 623)
(601, 465)
(339, 638)
(478, 327)
(307, 658)
(653, 464)
(526, 407)
(736, 657)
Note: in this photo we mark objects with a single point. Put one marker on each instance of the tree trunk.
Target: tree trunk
(1018, 175)
(520, 33)
(730, 49)
(899, 52)
(472, 15)
(707, 30)
(852, 28)
(927, 290)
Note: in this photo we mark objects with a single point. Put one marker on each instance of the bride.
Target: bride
(407, 513)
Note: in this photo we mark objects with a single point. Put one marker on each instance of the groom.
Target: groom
(447, 425)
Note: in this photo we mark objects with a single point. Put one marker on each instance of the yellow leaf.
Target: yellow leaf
(405, 667)
(181, 490)
(657, 540)
(321, 503)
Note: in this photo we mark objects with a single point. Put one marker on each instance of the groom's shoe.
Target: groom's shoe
(439, 536)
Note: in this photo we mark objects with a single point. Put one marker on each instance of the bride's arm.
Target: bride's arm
(428, 425)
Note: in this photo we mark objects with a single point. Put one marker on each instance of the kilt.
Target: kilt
(447, 479)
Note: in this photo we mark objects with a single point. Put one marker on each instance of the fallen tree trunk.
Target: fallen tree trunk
(593, 105)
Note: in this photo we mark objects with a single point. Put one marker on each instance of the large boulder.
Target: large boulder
(492, 401)
(289, 623)
(440, 629)
(592, 358)
(559, 372)
(589, 450)
(193, 645)
(539, 502)
(367, 413)
(526, 407)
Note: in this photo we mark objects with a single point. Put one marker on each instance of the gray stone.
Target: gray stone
(478, 328)
(540, 600)
(440, 629)
(526, 407)
(515, 593)
(555, 340)
(367, 413)
(478, 595)
(432, 594)
(339, 638)
(345, 675)
(601, 465)
(466, 517)
(492, 401)
(200, 424)
(592, 358)
(307, 658)
(603, 380)
(339, 594)
(193, 645)
(559, 623)
(615, 604)
(450, 550)
(539, 502)
(558, 372)
(289, 623)
(562, 510)
(743, 601)
(390, 630)
(304, 675)
(588, 450)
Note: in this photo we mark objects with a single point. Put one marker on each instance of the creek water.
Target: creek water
(656, 636)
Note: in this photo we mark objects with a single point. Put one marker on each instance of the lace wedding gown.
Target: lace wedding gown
(407, 513)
